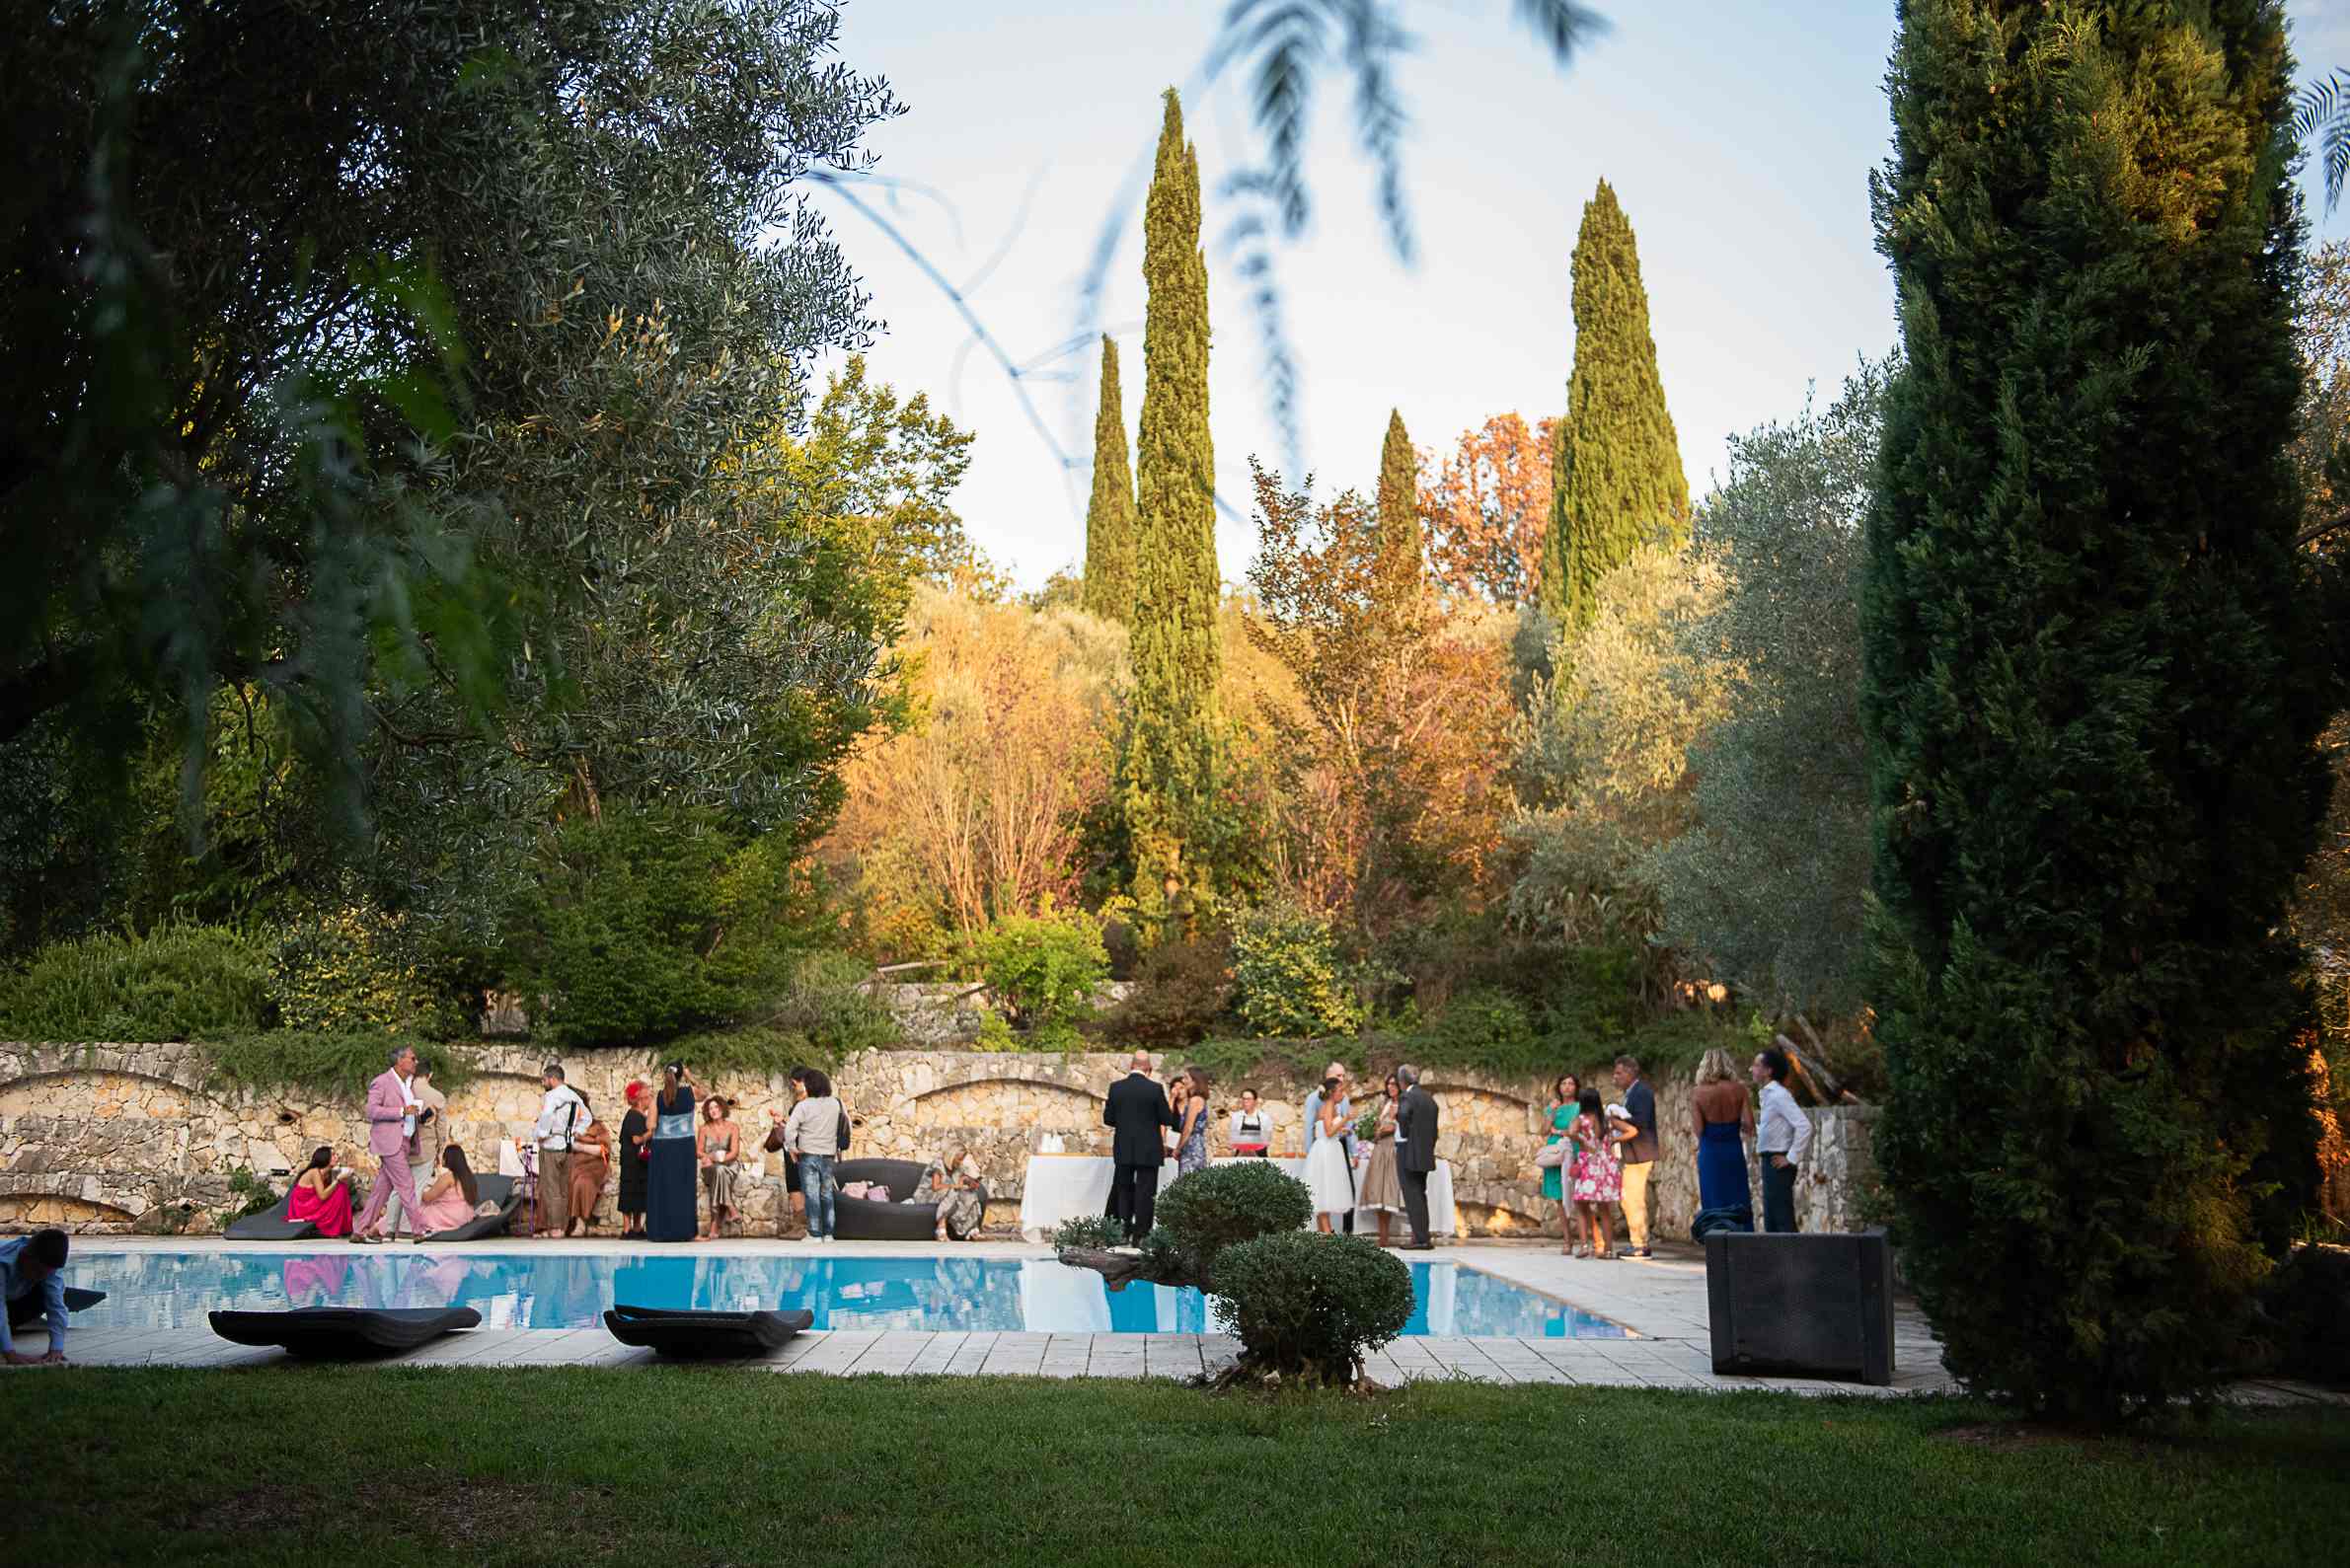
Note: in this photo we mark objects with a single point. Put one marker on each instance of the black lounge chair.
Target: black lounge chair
(705, 1334)
(500, 1190)
(343, 1332)
(25, 1311)
(271, 1224)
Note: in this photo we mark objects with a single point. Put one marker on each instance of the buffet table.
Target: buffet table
(1057, 1187)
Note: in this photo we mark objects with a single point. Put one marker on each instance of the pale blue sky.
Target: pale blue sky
(1738, 136)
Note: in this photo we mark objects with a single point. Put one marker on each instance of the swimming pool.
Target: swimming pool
(560, 1290)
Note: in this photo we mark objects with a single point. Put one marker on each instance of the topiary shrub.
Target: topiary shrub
(179, 982)
(1289, 979)
(1311, 1305)
(1045, 968)
(1181, 990)
(1220, 1207)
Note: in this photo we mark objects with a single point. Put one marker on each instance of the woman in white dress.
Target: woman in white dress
(1326, 1176)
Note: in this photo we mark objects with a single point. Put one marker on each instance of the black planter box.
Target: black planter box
(1802, 1306)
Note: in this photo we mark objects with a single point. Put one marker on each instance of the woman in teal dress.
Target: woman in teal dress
(1563, 1098)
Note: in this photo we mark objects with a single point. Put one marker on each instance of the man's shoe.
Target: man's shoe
(1638, 1252)
(1416, 1246)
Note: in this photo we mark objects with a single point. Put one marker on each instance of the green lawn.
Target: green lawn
(675, 1467)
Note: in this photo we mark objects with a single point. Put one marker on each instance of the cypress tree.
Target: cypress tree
(1398, 568)
(1615, 471)
(1171, 754)
(2093, 668)
(1109, 514)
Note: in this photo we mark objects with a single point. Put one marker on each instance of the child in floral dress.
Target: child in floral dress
(1596, 1184)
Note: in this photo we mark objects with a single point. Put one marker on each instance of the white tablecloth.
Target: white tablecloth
(1057, 1187)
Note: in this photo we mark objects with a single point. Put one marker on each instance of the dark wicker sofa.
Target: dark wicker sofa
(866, 1219)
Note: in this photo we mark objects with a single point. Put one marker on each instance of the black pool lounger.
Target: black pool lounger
(26, 1311)
(323, 1332)
(701, 1335)
(504, 1191)
(271, 1224)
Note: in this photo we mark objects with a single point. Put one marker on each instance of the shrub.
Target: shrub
(1222, 1206)
(751, 1052)
(351, 968)
(177, 983)
(1045, 968)
(1179, 991)
(825, 1000)
(1485, 1027)
(327, 1063)
(1090, 1231)
(1288, 978)
(250, 1192)
(1307, 1305)
(648, 924)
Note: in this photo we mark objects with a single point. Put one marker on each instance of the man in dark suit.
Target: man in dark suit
(1137, 1110)
(1416, 1154)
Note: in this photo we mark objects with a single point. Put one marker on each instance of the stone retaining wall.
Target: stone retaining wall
(112, 1137)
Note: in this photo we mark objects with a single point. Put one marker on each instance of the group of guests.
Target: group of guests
(1604, 1153)
(1152, 1125)
(1596, 1162)
(684, 1164)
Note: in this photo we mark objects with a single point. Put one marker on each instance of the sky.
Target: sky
(1738, 136)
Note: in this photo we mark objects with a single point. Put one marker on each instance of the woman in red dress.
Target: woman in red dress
(322, 1197)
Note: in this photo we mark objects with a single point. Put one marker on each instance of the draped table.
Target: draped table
(1057, 1187)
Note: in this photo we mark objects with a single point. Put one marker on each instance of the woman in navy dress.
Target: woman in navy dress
(1722, 1117)
(669, 1175)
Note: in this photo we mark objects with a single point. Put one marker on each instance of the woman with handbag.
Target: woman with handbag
(636, 1137)
(1382, 1182)
(1557, 1158)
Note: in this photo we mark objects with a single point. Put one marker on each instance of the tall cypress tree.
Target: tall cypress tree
(1169, 767)
(1109, 514)
(2094, 665)
(1615, 474)
(1399, 568)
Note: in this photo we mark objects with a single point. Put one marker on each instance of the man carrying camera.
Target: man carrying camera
(561, 1113)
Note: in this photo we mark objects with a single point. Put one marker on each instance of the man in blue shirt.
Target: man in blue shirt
(32, 1269)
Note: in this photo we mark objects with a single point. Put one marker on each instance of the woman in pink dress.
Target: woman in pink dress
(321, 1196)
(1598, 1176)
(453, 1199)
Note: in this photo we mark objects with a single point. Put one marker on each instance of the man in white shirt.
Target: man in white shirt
(561, 1114)
(1782, 1138)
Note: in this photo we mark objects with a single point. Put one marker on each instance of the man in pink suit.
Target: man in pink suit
(390, 1104)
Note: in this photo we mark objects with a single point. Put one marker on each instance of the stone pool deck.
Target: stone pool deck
(1661, 1300)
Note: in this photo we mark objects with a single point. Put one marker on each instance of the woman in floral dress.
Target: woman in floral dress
(1597, 1181)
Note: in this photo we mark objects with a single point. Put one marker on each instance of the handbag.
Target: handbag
(1551, 1156)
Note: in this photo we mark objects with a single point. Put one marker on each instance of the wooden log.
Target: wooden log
(1117, 1269)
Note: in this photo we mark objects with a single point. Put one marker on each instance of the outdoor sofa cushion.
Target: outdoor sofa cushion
(870, 1218)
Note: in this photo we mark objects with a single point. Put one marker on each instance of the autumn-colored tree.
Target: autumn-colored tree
(1487, 509)
(1400, 569)
(1109, 513)
(1390, 754)
(973, 812)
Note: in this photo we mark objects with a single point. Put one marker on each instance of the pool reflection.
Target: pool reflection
(571, 1290)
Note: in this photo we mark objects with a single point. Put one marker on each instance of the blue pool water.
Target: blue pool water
(557, 1290)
